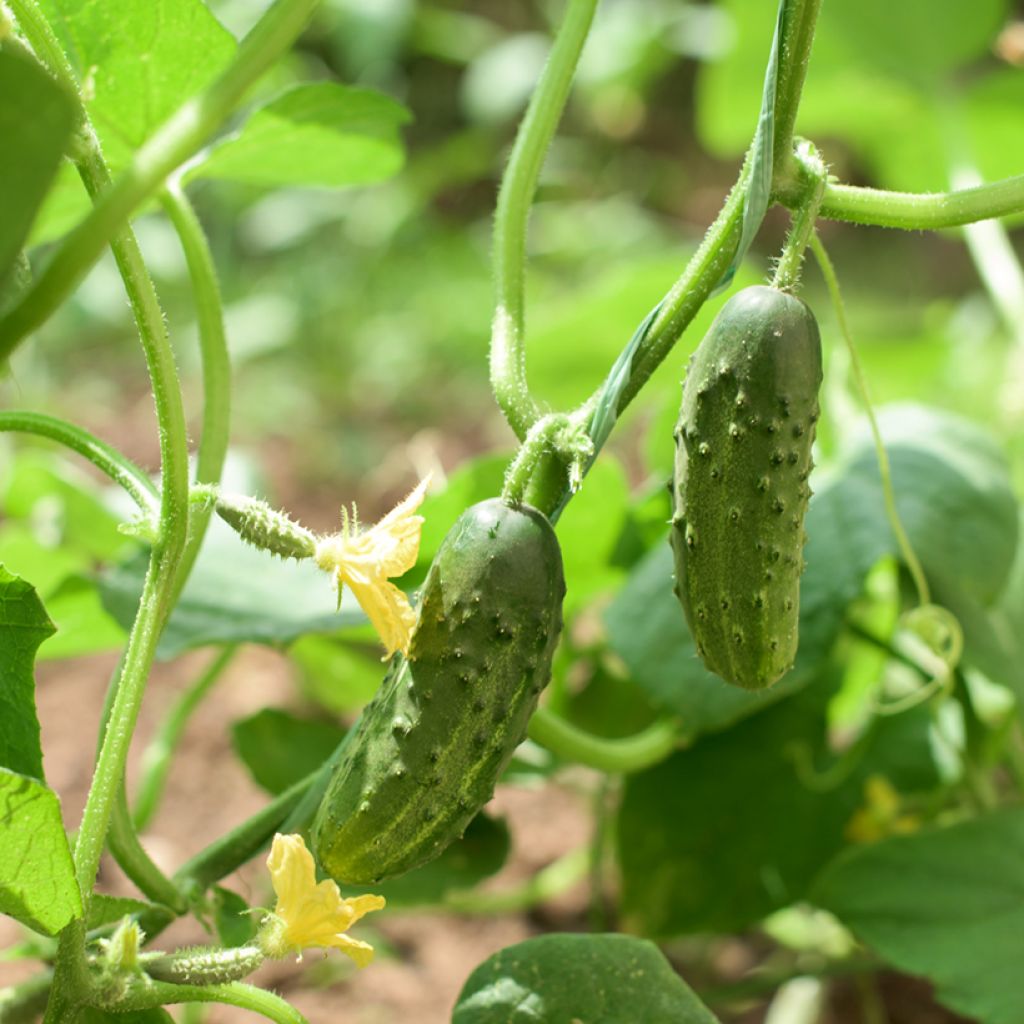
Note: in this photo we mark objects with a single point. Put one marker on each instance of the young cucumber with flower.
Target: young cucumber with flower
(468, 667)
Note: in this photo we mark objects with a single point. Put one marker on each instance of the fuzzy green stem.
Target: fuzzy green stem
(798, 25)
(156, 759)
(619, 756)
(243, 842)
(914, 211)
(216, 362)
(119, 468)
(518, 185)
(145, 994)
(690, 292)
(787, 272)
(136, 863)
(910, 558)
(178, 138)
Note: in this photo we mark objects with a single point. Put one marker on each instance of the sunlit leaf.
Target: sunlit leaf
(323, 134)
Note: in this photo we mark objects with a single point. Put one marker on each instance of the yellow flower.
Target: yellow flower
(880, 815)
(364, 561)
(308, 913)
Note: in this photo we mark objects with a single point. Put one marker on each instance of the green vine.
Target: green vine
(178, 138)
(518, 185)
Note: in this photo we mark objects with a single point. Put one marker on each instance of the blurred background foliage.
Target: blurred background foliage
(358, 319)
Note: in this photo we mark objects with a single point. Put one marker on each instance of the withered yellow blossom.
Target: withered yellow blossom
(365, 560)
(309, 913)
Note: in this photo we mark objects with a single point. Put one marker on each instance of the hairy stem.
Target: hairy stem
(213, 441)
(798, 25)
(136, 863)
(168, 147)
(787, 272)
(518, 185)
(910, 558)
(108, 460)
(915, 211)
(621, 756)
(243, 842)
(690, 292)
(145, 994)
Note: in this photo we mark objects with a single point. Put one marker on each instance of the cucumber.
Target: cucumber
(740, 489)
(433, 742)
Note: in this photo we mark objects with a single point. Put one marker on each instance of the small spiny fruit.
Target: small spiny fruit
(743, 455)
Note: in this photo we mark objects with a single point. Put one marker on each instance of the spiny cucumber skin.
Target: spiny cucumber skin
(433, 742)
(743, 458)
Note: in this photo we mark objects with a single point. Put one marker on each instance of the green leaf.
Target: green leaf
(947, 904)
(64, 505)
(338, 676)
(236, 926)
(567, 979)
(322, 134)
(236, 594)
(37, 876)
(24, 625)
(36, 120)
(479, 853)
(943, 36)
(589, 531)
(280, 749)
(720, 835)
(140, 60)
(83, 624)
(156, 1015)
(954, 495)
(106, 910)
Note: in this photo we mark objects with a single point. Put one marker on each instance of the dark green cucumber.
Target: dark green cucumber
(743, 457)
(433, 742)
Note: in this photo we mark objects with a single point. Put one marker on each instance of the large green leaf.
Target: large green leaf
(718, 836)
(37, 876)
(279, 749)
(24, 625)
(36, 119)
(947, 904)
(954, 495)
(236, 594)
(323, 134)
(919, 40)
(140, 60)
(865, 86)
(956, 502)
(570, 979)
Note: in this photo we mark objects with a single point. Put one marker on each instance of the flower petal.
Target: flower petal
(360, 952)
(388, 610)
(310, 913)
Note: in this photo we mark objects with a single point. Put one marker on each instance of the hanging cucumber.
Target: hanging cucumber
(743, 458)
(433, 742)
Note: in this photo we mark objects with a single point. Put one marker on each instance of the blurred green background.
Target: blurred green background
(358, 319)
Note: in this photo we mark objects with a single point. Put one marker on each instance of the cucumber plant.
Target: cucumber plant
(717, 810)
